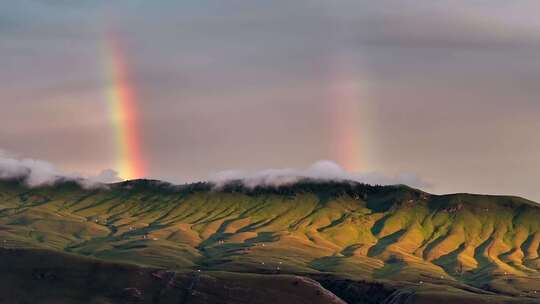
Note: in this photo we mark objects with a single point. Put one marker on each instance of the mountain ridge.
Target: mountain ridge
(238, 185)
(391, 234)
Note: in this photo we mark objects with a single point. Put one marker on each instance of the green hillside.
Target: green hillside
(418, 246)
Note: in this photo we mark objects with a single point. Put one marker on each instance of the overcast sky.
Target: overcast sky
(447, 90)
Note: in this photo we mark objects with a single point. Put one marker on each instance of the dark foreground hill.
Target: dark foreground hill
(311, 242)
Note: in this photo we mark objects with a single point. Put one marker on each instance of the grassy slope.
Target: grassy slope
(473, 243)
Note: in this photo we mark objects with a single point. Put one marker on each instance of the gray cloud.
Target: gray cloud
(449, 87)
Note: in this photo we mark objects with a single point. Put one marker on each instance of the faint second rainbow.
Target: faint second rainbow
(349, 109)
(346, 120)
(122, 104)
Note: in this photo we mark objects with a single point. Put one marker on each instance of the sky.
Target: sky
(446, 91)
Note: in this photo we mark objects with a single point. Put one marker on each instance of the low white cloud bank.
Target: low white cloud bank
(40, 173)
(322, 170)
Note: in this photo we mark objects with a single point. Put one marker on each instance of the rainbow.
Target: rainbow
(122, 105)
